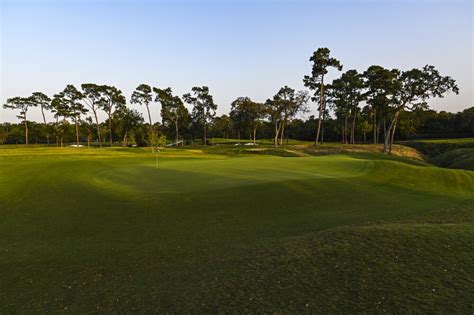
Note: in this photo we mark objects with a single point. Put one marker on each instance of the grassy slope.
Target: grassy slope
(457, 158)
(450, 153)
(89, 230)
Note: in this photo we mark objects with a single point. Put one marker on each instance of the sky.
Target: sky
(237, 48)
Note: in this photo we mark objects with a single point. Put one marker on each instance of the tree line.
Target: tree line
(376, 104)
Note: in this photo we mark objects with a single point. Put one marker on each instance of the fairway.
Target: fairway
(122, 230)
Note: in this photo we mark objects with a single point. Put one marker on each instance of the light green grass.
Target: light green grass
(124, 230)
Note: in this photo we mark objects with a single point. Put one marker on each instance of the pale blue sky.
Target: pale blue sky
(237, 48)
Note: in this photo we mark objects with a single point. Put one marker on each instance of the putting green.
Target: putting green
(118, 230)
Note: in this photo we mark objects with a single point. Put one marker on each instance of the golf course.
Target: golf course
(228, 229)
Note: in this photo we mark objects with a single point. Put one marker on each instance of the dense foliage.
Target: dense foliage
(378, 105)
(412, 125)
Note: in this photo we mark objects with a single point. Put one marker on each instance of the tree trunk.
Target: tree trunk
(26, 132)
(393, 134)
(322, 133)
(62, 132)
(375, 126)
(57, 133)
(177, 131)
(282, 131)
(44, 120)
(321, 91)
(152, 132)
(342, 133)
(124, 142)
(345, 129)
(390, 133)
(378, 133)
(277, 130)
(353, 127)
(77, 132)
(205, 134)
(98, 128)
(110, 129)
(254, 135)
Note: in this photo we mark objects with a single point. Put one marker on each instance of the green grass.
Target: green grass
(434, 147)
(451, 153)
(457, 158)
(259, 141)
(204, 230)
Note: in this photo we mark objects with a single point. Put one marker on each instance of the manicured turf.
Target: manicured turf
(118, 230)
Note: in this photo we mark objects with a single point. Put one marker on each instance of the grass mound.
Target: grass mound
(451, 153)
(458, 158)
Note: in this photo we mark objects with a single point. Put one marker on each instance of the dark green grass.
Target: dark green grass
(88, 230)
(434, 147)
(458, 158)
(450, 153)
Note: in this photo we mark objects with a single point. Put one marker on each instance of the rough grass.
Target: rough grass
(434, 147)
(457, 158)
(457, 140)
(204, 230)
(451, 153)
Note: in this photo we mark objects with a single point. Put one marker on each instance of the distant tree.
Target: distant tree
(173, 111)
(412, 89)
(345, 94)
(41, 100)
(222, 125)
(464, 122)
(274, 111)
(283, 107)
(127, 120)
(111, 99)
(143, 96)
(204, 108)
(380, 84)
(366, 124)
(292, 103)
(247, 114)
(321, 62)
(92, 97)
(71, 99)
(87, 125)
(21, 104)
(3, 133)
(60, 109)
(237, 117)
(336, 99)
